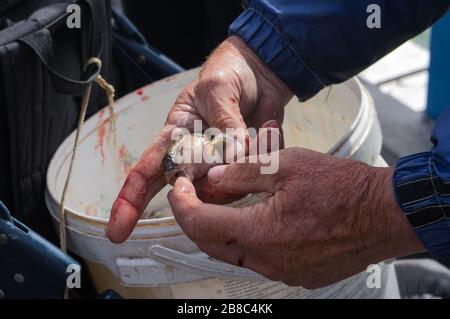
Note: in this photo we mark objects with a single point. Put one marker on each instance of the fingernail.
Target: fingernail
(215, 174)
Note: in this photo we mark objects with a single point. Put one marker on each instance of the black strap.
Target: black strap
(97, 20)
(41, 43)
(4, 213)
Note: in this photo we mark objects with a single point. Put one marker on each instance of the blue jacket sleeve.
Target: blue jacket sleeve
(311, 44)
(422, 184)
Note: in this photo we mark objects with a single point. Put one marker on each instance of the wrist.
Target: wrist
(393, 232)
(263, 74)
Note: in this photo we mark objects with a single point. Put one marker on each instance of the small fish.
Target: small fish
(192, 155)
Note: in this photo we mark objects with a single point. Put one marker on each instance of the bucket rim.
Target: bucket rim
(367, 104)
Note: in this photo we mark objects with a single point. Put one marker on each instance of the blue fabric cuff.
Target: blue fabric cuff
(268, 43)
(425, 198)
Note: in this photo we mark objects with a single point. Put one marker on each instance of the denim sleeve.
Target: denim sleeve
(422, 184)
(311, 44)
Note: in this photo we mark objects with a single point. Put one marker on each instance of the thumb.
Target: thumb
(243, 178)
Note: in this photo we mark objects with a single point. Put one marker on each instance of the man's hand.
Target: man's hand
(328, 219)
(234, 90)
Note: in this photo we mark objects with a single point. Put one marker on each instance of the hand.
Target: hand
(234, 90)
(328, 219)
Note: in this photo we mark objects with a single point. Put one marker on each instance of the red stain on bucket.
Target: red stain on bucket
(101, 133)
(140, 93)
(100, 116)
(125, 159)
(122, 153)
(91, 210)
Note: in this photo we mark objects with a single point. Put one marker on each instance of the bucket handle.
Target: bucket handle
(203, 264)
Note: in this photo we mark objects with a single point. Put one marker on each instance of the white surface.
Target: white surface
(410, 91)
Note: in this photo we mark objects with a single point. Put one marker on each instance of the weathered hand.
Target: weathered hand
(327, 220)
(234, 90)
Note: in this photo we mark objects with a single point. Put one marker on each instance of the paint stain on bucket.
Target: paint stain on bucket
(101, 141)
(91, 210)
(126, 159)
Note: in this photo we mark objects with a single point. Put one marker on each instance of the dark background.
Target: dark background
(185, 31)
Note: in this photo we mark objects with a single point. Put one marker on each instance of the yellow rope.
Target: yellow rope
(110, 92)
(109, 89)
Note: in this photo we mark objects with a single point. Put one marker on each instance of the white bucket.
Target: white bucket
(159, 260)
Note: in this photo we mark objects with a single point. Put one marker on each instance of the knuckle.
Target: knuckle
(215, 75)
(211, 80)
(136, 175)
(187, 208)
